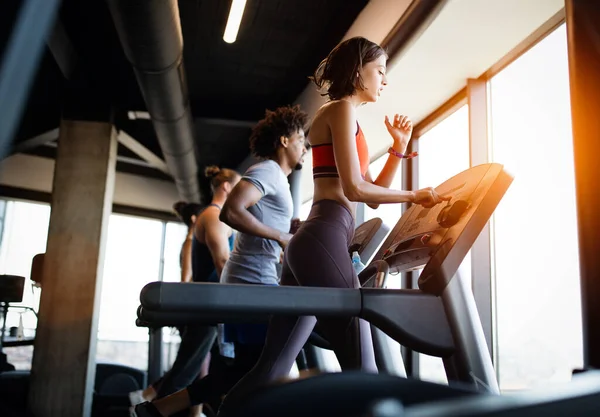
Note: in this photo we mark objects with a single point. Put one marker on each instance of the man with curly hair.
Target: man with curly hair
(260, 208)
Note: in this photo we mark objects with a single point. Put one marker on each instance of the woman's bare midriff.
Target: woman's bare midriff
(331, 189)
(327, 188)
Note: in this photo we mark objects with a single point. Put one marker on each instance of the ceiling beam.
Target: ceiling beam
(62, 49)
(141, 151)
(214, 121)
(36, 141)
(44, 152)
(136, 167)
(124, 164)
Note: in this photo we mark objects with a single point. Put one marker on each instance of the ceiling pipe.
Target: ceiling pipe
(150, 33)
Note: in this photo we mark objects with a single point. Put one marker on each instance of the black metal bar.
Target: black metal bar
(414, 21)
(154, 354)
(62, 48)
(583, 34)
(4, 314)
(20, 63)
(410, 176)
(155, 340)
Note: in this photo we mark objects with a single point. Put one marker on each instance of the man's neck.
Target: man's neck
(283, 164)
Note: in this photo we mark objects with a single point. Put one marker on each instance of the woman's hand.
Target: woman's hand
(400, 130)
(427, 197)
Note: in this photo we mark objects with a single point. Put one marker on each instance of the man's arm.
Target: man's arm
(217, 239)
(235, 213)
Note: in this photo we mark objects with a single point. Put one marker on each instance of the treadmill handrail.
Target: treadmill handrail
(164, 302)
(259, 299)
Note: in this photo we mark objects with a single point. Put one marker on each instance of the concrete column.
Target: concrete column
(63, 371)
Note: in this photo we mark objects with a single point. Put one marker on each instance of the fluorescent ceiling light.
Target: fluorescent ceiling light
(233, 23)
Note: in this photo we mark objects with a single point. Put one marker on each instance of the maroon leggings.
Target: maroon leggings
(317, 256)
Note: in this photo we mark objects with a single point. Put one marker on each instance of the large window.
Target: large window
(138, 251)
(174, 238)
(536, 252)
(133, 258)
(444, 150)
(443, 153)
(24, 234)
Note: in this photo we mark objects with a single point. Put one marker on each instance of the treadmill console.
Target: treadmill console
(439, 238)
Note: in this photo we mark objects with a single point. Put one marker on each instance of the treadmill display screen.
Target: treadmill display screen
(439, 238)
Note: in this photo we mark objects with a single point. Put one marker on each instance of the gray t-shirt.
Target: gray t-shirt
(254, 259)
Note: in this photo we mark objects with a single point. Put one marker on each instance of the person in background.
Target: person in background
(260, 208)
(187, 213)
(204, 254)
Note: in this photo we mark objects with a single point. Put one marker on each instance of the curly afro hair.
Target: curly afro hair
(284, 121)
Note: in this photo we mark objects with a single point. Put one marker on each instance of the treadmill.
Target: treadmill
(367, 239)
(438, 319)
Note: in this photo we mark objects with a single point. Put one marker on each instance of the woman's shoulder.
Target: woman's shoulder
(331, 114)
(333, 111)
(335, 106)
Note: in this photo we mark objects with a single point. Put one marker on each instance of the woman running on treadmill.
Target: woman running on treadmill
(353, 74)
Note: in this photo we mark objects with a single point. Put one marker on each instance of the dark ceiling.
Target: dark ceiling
(279, 44)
